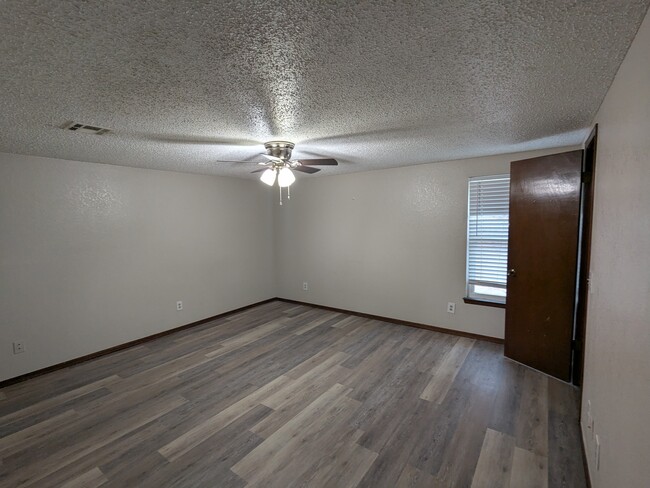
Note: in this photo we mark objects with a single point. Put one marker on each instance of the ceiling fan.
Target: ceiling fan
(280, 166)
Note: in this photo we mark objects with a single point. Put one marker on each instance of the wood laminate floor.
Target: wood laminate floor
(285, 395)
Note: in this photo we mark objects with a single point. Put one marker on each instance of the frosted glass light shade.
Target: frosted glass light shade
(268, 177)
(286, 177)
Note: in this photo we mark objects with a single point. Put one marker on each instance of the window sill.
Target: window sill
(485, 303)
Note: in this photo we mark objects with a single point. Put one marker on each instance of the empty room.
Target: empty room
(328, 244)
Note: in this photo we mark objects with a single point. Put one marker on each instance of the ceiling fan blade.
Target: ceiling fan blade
(319, 162)
(254, 159)
(259, 170)
(273, 158)
(306, 169)
(234, 161)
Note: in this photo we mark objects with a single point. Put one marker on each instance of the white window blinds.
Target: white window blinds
(487, 237)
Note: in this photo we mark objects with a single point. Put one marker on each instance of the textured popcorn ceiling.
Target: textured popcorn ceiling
(375, 84)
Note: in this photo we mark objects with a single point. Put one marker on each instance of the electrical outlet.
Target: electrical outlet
(305, 286)
(597, 452)
(179, 305)
(451, 307)
(19, 347)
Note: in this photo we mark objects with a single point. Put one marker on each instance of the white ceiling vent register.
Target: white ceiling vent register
(84, 129)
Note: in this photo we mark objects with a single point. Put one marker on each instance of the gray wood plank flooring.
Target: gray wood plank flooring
(284, 395)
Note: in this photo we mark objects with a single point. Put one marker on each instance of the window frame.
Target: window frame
(472, 297)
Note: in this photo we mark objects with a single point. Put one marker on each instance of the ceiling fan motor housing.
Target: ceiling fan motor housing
(279, 149)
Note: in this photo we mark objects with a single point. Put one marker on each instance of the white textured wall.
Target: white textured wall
(388, 242)
(617, 369)
(95, 255)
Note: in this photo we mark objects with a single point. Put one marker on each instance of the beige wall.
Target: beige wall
(617, 369)
(95, 255)
(388, 242)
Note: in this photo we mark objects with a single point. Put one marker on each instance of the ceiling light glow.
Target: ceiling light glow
(268, 177)
(285, 177)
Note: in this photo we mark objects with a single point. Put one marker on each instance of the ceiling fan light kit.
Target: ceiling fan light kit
(268, 177)
(285, 177)
(280, 166)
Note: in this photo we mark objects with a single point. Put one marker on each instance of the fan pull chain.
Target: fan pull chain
(288, 193)
(280, 194)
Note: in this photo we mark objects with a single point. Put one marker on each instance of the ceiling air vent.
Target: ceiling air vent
(85, 129)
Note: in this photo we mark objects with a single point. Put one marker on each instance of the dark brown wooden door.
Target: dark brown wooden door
(542, 261)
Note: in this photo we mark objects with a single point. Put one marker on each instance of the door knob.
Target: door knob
(512, 272)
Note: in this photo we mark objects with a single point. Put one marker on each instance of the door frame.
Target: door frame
(584, 256)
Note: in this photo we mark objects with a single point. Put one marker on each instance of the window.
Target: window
(487, 238)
